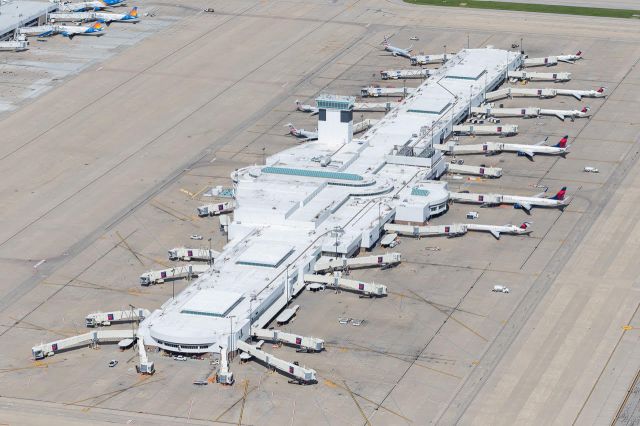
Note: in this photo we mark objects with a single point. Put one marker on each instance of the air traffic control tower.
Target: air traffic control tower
(335, 119)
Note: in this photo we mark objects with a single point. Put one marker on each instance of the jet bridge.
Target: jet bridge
(325, 264)
(538, 76)
(335, 280)
(511, 92)
(363, 125)
(92, 338)
(302, 374)
(486, 130)
(547, 61)
(307, 344)
(187, 254)
(454, 230)
(375, 92)
(430, 59)
(106, 318)
(160, 276)
(215, 209)
(463, 169)
(373, 106)
(404, 74)
(489, 111)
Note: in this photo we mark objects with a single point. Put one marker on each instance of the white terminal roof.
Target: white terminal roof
(212, 302)
(287, 211)
(17, 13)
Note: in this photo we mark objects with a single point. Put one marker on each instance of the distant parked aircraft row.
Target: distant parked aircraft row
(97, 29)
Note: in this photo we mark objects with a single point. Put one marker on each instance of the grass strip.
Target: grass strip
(528, 7)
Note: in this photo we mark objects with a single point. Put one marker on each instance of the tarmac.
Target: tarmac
(99, 189)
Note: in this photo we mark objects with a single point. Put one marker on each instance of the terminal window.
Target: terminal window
(346, 116)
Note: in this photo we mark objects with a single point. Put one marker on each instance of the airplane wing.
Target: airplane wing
(527, 153)
(496, 234)
(560, 116)
(542, 142)
(314, 112)
(577, 96)
(568, 61)
(525, 206)
(307, 140)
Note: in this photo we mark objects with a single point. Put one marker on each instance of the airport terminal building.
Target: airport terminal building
(332, 197)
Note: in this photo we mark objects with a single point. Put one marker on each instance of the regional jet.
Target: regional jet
(396, 51)
(571, 59)
(518, 202)
(104, 17)
(306, 108)
(562, 114)
(493, 148)
(88, 5)
(109, 17)
(496, 230)
(66, 30)
(303, 135)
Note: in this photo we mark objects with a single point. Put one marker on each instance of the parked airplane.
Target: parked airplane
(529, 112)
(563, 113)
(530, 151)
(396, 51)
(570, 58)
(518, 202)
(306, 108)
(303, 135)
(66, 30)
(578, 94)
(109, 17)
(512, 92)
(492, 148)
(103, 17)
(496, 230)
(88, 5)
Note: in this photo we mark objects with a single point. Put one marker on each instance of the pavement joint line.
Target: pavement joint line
(311, 75)
(126, 245)
(119, 411)
(59, 289)
(626, 398)
(606, 364)
(99, 97)
(433, 336)
(355, 401)
(27, 285)
(541, 240)
(497, 349)
(472, 268)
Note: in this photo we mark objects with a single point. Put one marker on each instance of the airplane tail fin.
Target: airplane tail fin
(97, 26)
(525, 225)
(585, 110)
(560, 195)
(601, 90)
(579, 53)
(134, 12)
(563, 142)
(291, 127)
